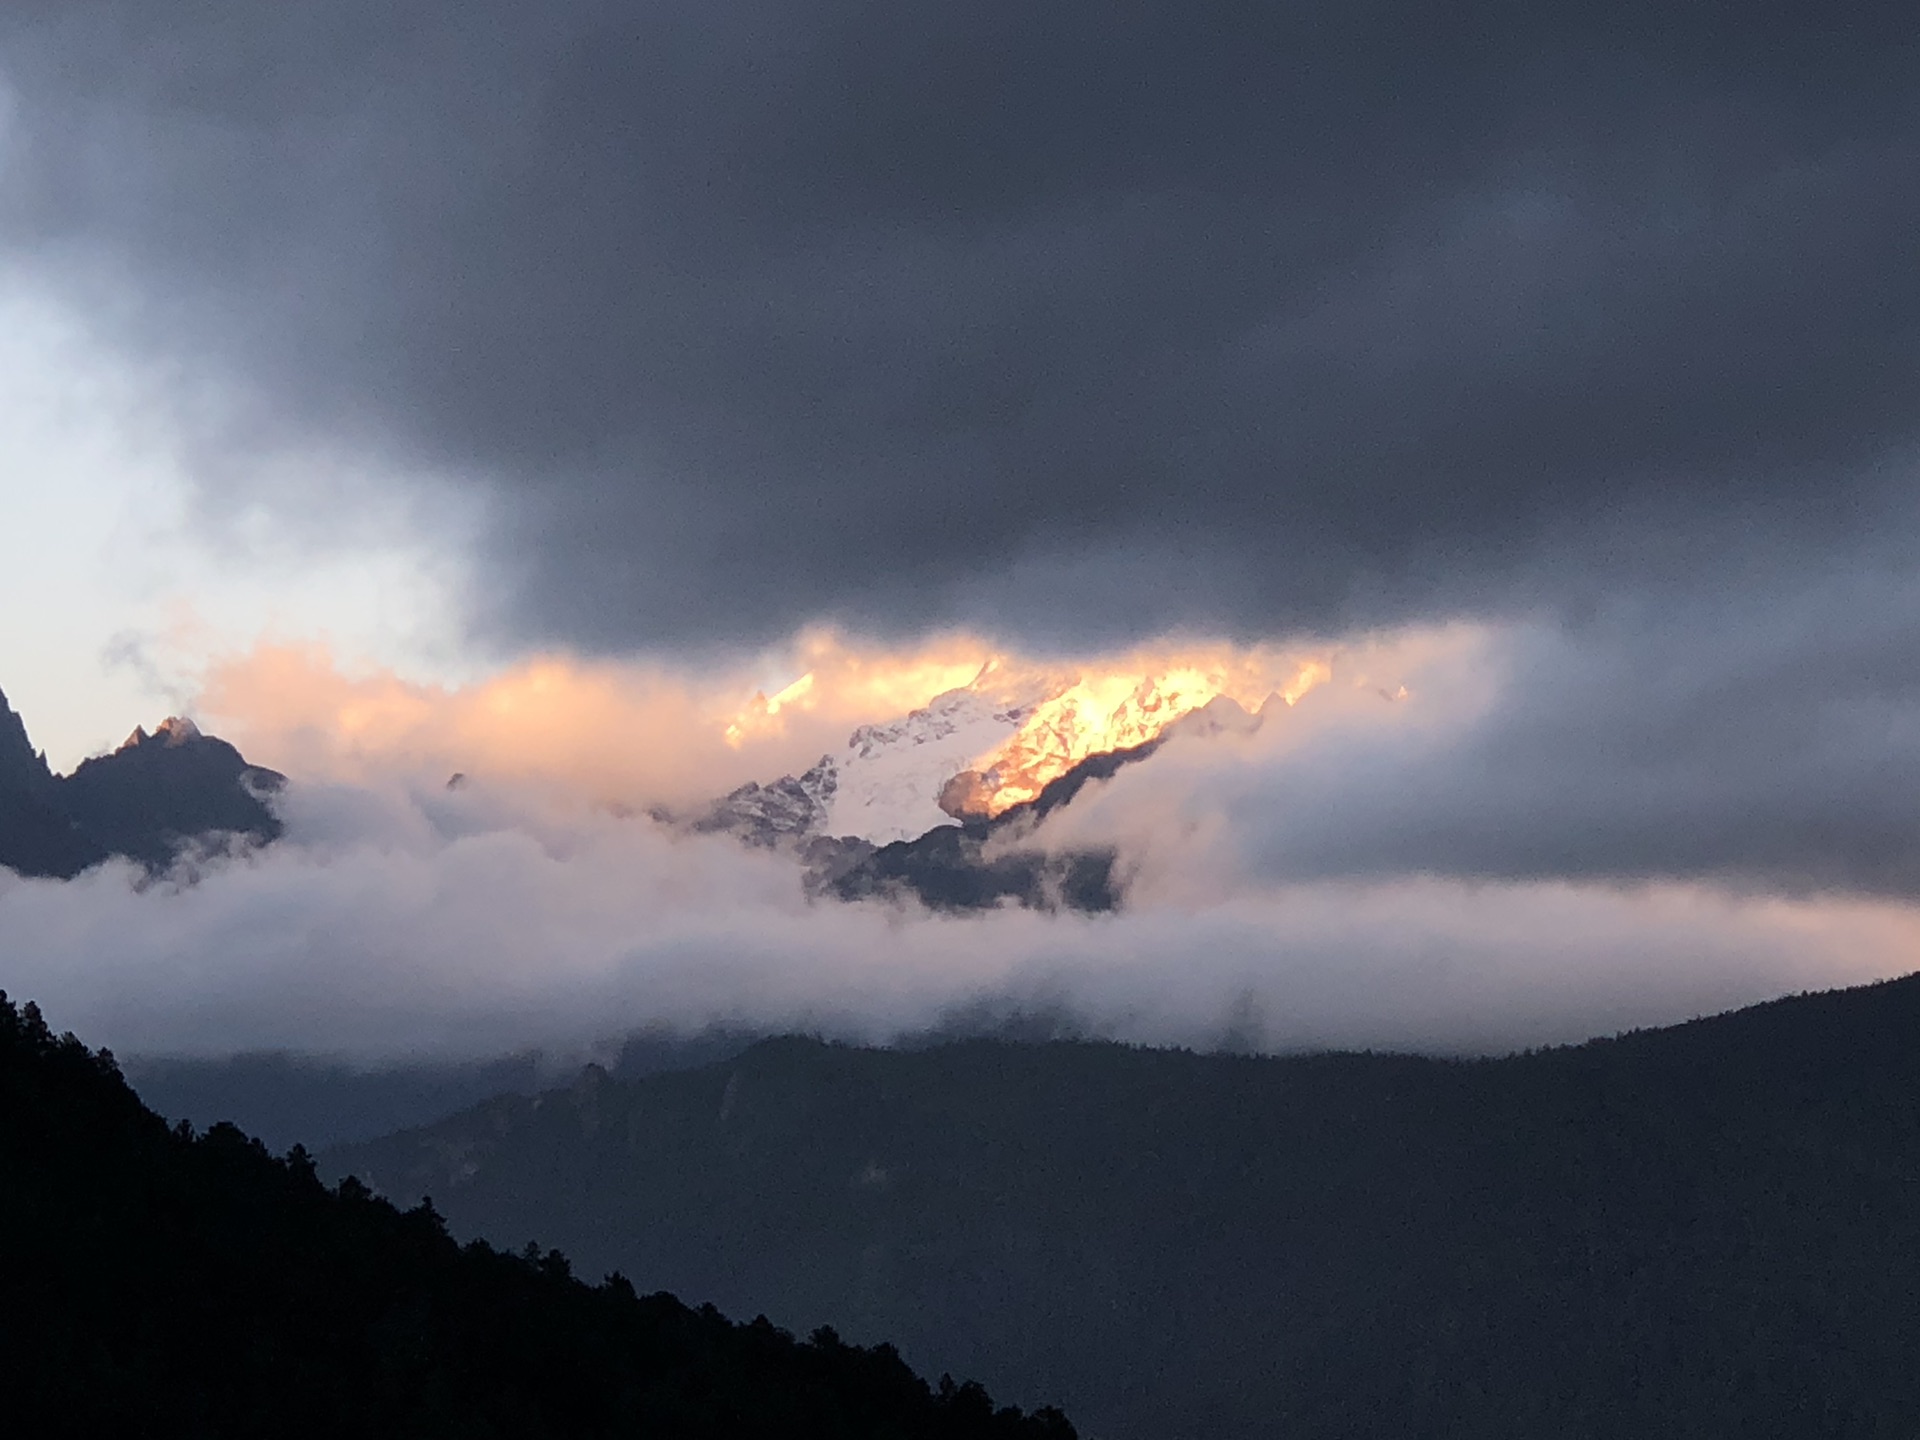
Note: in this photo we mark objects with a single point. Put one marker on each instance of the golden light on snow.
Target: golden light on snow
(1119, 709)
(1059, 712)
(633, 734)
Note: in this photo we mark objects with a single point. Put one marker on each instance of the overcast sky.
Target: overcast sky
(1244, 315)
(652, 335)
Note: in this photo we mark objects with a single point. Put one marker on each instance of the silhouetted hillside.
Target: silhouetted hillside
(157, 1283)
(1711, 1230)
(144, 801)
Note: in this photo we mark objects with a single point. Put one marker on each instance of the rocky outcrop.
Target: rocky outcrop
(154, 796)
(768, 816)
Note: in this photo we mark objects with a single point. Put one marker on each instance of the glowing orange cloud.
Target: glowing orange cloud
(855, 684)
(1067, 709)
(598, 731)
(640, 733)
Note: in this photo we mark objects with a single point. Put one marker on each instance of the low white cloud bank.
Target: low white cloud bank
(425, 929)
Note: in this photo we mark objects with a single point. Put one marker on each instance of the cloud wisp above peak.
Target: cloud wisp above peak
(1069, 324)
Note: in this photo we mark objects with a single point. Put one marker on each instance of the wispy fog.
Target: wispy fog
(431, 944)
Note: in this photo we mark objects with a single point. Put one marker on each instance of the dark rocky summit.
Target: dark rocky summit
(154, 796)
(768, 816)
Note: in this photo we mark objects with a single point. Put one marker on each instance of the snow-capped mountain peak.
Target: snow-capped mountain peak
(891, 777)
(971, 751)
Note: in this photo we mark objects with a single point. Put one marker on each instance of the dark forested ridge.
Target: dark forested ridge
(1709, 1230)
(157, 1283)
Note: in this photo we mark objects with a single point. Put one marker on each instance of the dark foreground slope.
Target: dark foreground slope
(1711, 1230)
(152, 1283)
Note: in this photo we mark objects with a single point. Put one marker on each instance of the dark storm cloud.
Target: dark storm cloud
(1069, 318)
(1777, 752)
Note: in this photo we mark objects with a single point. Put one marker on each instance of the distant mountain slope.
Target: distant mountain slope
(145, 801)
(287, 1098)
(1711, 1230)
(152, 1283)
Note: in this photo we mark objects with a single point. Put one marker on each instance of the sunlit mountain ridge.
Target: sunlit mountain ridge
(979, 749)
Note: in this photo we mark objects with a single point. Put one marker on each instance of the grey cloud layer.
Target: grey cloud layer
(379, 931)
(1068, 319)
(1647, 742)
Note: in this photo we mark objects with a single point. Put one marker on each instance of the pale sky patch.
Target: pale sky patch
(116, 593)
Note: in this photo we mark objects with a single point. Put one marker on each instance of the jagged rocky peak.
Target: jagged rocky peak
(788, 809)
(160, 791)
(174, 731)
(148, 800)
(18, 758)
(178, 730)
